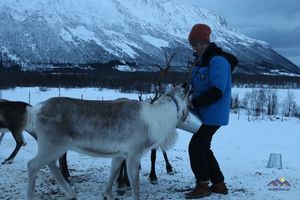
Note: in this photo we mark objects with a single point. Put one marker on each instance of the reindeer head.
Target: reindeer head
(179, 96)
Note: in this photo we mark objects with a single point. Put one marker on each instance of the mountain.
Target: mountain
(40, 33)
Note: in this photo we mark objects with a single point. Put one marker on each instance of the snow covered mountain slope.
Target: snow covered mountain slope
(35, 32)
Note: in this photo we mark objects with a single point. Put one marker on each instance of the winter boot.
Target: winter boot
(219, 188)
(201, 190)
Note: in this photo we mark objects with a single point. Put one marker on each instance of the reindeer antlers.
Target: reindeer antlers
(163, 72)
(190, 66)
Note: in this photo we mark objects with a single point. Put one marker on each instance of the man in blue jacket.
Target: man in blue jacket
(211, 85)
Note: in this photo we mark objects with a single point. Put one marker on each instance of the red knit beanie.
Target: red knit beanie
(200, 33)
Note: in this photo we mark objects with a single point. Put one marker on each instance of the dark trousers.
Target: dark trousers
(203, 162)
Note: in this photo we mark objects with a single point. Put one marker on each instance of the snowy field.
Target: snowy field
(242, 148)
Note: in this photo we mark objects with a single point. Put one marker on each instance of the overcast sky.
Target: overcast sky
(276, 22)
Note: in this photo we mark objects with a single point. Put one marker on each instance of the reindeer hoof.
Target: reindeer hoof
(67, 180)
(107, 197)
(6, 161)
(153, 179)
(121, 192)
(169, 170)
(123, 187)
(154, 182)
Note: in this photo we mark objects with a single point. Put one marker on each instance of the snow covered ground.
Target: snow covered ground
(242, 148)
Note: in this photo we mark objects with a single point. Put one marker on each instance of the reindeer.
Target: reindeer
(122, 179)
(163, 71)
(188, 125)
(191, 124)
(13, 118)
(121, 130)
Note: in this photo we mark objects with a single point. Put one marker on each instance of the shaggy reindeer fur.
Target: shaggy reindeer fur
(121, 130)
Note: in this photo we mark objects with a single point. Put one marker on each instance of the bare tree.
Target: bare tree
(235, 102)
(253, 102)
(246, 104)
(289, 104)
(297, 113)
(261, 101)
(257, 102)
(272, 102)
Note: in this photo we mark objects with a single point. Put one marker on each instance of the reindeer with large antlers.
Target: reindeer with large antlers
(118, 129)
(163, 72)
(122, 179)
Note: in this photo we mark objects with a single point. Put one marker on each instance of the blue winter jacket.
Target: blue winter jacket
(216, 73)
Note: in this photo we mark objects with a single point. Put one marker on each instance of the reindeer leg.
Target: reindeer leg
(70, 194)
(120, 176)
(1, 137)
(133, 163)
(24, 142)
(34, 166)
(64, 167)
(126, 181)
(19, 142)
(168, 165)
(114, 169)
(48, 153)
(152, 175)
(33, 134)
(122, 179)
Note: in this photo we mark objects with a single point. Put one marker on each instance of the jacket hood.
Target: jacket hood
(213, 50)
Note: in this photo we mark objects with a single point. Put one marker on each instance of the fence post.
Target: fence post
(0, 94)
(29, 97)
